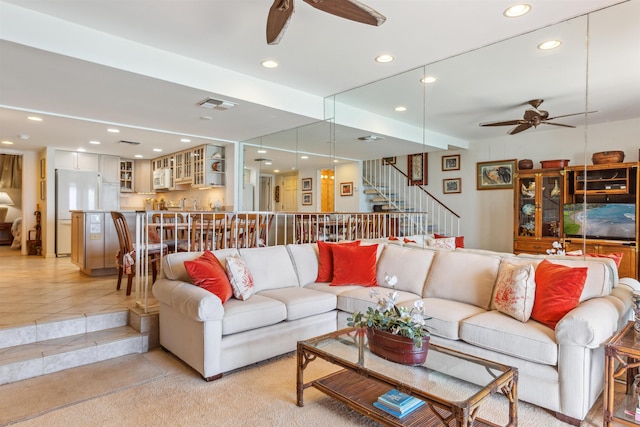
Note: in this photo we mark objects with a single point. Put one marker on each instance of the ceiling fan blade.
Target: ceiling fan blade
(569, 115)
(278, 19)
(349, 9)
(558, 124)
(520, 128)
(508, 123)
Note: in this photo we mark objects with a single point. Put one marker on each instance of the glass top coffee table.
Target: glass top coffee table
(449, 401)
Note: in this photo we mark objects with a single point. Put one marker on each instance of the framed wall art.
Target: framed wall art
(306, 184)
(43, 168)
(276, 195)
(306, 199)
(346, 188)
(451, 163)
(417, 168)
(388, 160)
(497, 175)
(453, 185)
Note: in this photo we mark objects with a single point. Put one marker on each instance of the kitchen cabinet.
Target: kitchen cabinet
(109, 168)
(537, 210)
(127, 176)
(73, 160)
(208, 166)
(94, 241)
(143, 176)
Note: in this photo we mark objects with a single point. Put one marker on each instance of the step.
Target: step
(53, 346)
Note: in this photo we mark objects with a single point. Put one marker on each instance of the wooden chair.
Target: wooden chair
(306, 229)
(244, 231)
(127, 252)
(208, 232)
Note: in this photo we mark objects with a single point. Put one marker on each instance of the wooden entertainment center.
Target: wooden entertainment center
(549, 204)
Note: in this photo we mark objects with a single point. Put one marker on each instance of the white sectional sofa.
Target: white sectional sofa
(561, 370)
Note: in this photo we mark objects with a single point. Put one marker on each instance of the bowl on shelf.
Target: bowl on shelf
(525, 164)
(528, 209)
(604, 157)
(554, 163)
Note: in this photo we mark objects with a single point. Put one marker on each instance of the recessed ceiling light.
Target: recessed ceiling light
(82, 150)
(34, 118)
(269, 63)
(185, 140)
(6, 142)
(262, 151)
(94, 142)
(138, 156)
(384, 58)
(428, 79)
(335, 160)
(268, 163)
(400, 109)
(206, 118)
(304, 157)
(550, 44)
(113, 130)
(517, 10)
(157, 150)
(276, 170)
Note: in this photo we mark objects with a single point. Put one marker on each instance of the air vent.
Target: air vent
(122, 141)
(371, 138)
(216, 104)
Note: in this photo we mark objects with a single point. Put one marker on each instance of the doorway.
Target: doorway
(265, 193)
(327, 190)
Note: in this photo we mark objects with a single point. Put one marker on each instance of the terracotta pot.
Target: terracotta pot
(397, 348)
(525, 164)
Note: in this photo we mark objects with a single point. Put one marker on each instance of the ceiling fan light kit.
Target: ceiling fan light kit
(281, 11)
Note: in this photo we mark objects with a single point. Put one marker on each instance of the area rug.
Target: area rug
(262, 395)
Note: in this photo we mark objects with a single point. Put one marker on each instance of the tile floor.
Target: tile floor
(36, 289)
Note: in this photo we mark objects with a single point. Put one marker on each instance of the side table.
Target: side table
(5, 233)
(622, 355)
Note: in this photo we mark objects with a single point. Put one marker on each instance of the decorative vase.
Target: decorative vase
(525, 164)
(397, 348)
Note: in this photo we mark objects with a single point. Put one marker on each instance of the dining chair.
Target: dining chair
(306, 229)
(125, 258)
(244, 231)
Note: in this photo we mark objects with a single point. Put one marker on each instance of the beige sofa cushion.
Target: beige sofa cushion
(411, 266)
(359, 299)
(305, 261)
(271, 267)
(256, 312)
(445, 316)
(463, 276)
(499, 332)
(302, 302)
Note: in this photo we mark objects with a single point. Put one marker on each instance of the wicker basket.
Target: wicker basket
(605, 157)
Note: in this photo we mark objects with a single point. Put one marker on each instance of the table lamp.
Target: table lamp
(5, 201)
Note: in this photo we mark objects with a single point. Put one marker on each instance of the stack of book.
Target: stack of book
(398, 403)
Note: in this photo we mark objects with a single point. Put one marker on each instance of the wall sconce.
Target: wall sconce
(5, 201)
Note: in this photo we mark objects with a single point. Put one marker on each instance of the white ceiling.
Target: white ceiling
(142, 66)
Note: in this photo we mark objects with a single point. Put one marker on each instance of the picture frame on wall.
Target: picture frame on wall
(43, 168)
(453, 185)
(306, 199)
(346, 188)
(495, 175)
(276, 195)
(306, 184)
(43, 190)
(417, 168)
(451, 163)
(388, 160)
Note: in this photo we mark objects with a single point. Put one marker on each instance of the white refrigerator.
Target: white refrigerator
(80, 190)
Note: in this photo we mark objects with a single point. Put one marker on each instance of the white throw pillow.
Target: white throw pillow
(442, 243)
(515, 290)
(240, 278)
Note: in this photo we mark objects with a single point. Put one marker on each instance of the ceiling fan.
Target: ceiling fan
(281, 11)
(532, 118)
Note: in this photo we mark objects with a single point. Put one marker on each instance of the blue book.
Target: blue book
(396, 413)
(397, 400)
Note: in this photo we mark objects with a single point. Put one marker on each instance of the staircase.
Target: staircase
(42, 348)
(388, 191)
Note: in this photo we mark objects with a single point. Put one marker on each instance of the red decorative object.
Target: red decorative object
(397, 348)
(554, 163)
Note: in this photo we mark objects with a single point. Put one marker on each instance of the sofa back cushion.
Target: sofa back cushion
(271, 267)
(463, 276)
(305, 261)
(173, 264)
(602, 275)
(410, 266)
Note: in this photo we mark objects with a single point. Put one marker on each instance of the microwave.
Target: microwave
(162, 179)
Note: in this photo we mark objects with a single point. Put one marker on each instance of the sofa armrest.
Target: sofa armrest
(591, 323)
(189, 300)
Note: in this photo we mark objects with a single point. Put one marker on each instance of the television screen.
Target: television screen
(615, 221)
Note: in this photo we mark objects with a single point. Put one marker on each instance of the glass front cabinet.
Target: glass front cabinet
(538, 210)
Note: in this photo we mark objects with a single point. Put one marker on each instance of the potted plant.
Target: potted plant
(395, 333)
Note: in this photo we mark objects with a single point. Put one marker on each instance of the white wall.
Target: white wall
(487, 215)
(348, 172)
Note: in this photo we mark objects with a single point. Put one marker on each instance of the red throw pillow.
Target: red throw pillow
(325, 259)
(408, 240)
(207, 273)
(393, 238)
(354, 265)
(459, 239)
(615, 256)
(558, 290)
